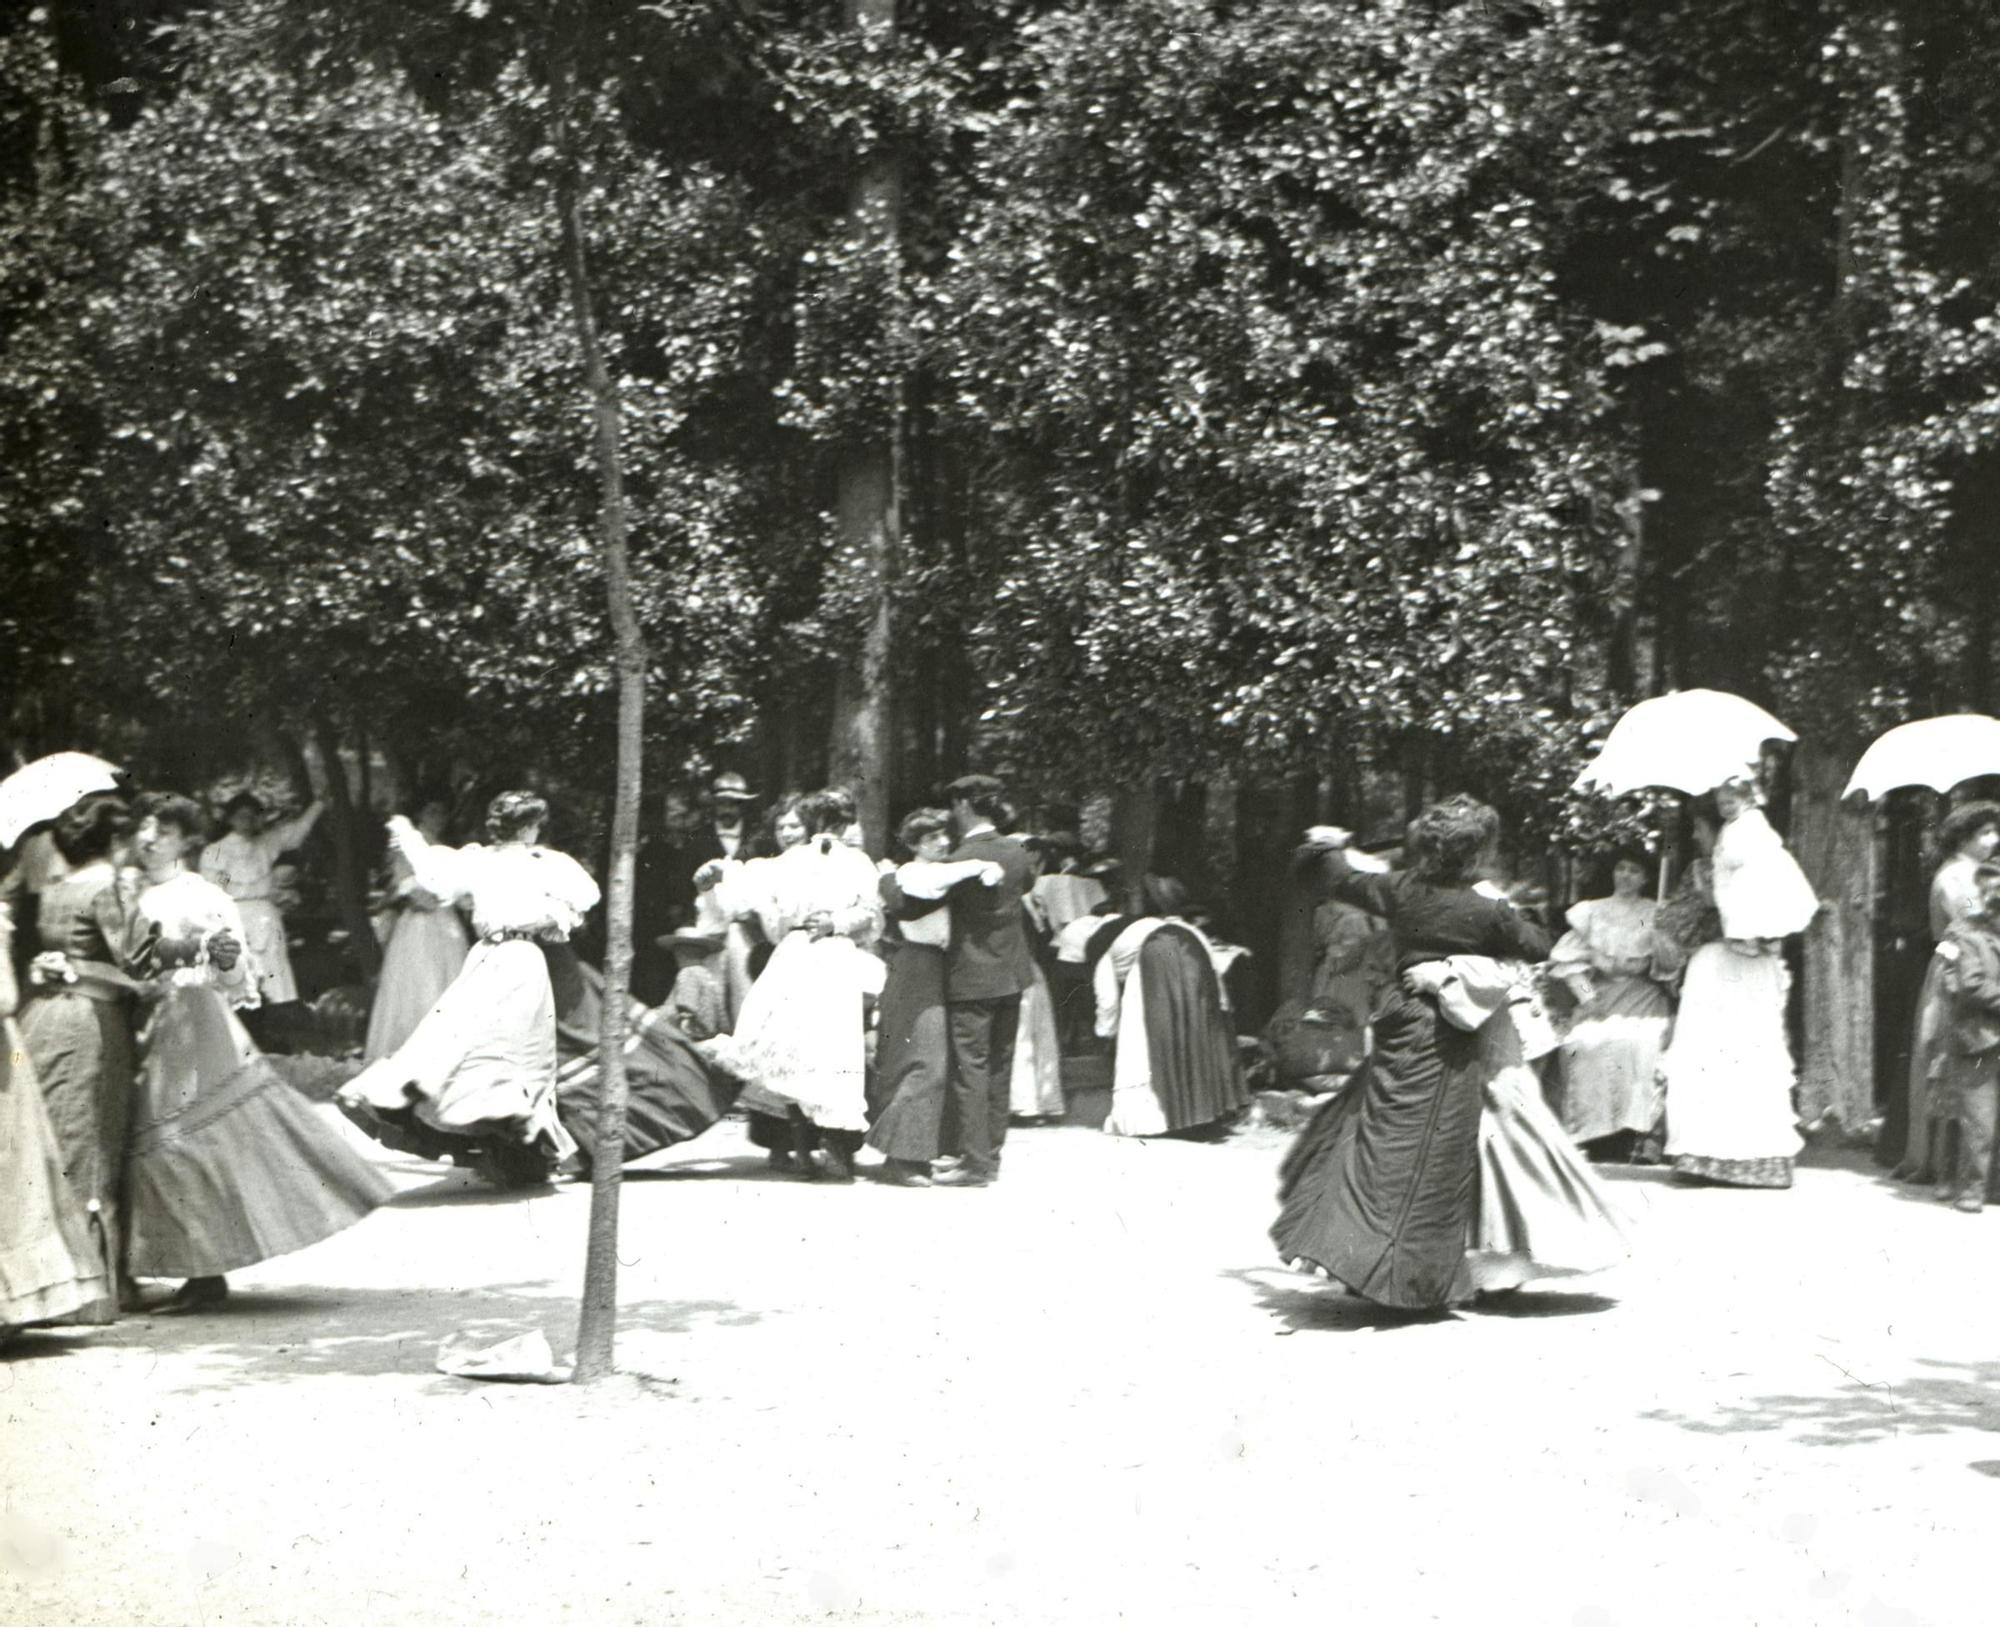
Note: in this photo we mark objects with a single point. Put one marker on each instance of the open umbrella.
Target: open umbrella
(1691, 741)
(46, 787)
(1936, 752)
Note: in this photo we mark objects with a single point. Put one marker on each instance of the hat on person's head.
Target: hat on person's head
(691, 938)
(1101, 869)
(731, 788)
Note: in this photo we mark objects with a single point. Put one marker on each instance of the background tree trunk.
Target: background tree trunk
(870, 518)
(1836, 847)
(350, 883)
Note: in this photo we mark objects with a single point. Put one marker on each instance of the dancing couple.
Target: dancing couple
(1439, 1172)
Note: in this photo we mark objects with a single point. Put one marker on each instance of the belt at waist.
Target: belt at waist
(541, 934)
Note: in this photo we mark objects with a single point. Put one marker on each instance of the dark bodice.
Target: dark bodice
(83, 917)
(1429, 921)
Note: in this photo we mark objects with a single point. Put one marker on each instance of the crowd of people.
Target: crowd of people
(918, 1004)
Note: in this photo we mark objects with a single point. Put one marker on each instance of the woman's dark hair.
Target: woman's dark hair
(171, 808)
(91, 829)
(243, 799)
(986, 794)
(826, 812)
(1448, 837)
(1608, 863)
(1163, 895)
(1961, 824)
(513, 812)
(918, 824)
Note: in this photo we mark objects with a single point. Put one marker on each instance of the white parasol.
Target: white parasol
(48, 786)
(1936, 752)
(1691, 741)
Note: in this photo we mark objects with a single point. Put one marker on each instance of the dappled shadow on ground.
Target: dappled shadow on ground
(275, 1337)
(1941, 1396)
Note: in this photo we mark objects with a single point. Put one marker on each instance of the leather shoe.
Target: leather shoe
(960, 1177)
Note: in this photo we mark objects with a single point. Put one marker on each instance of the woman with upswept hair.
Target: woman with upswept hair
(1380, 1190)
(476, 1080)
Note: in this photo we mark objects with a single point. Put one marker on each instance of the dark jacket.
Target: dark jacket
(989, 957)
(1971, 950)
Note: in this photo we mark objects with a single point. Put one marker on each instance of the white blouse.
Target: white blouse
(511, 888)
(191, 907)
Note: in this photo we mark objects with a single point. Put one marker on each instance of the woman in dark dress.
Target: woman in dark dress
(1380, 1189)
(79, 1027)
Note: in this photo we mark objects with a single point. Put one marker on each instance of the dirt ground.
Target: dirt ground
(1086, 1395)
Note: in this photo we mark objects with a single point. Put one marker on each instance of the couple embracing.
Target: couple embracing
(959, 961)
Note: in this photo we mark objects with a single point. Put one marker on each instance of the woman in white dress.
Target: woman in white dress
(801, 1035)
(426, 948)
(241, 864)
(1611, 1055)
(228, 1164)
(476, 1080)
(1729, 1068)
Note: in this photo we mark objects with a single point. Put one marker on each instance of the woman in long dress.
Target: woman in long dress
(1542, 1212)
(1729, 1069)
(1159, 997)
(724, 891)
(426, 949)
(1380, 1189)
(907, 1092)
(49, 1264)
(1611, 1055)
(242, 865)
(79, 1020)
(1968, 838)
(476, 1081)
(228, 1164)
(801, 1035)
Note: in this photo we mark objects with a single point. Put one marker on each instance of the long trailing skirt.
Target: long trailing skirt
(426, 950)
(83, 1054)
(1175, 1067)
(1379, 1189)
(673, 1091)
(229, 1164)
(50, 1264)
(1037, 1084)
(478, 1075)
(1729, 1072)
(1927, 1103)
(1611, 1061)
(1542, 1210)
(907, 1094)
(800, 1037)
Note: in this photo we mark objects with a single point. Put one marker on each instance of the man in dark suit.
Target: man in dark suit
(986, 968)
(663, 885)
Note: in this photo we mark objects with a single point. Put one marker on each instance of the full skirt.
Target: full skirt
(1611, 1061)
(427, 949)
(912, 1057)
(1729, 1071)
(800, 1036)
(478, 1075)
(1379, 1189)
(50, 1263)
(673, 1092)
(229, 1164)
(1178, 1069)
(1542, 1210)
(1928, 1105)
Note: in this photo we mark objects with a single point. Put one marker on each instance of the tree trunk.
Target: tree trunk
(1836, 847)
(1135, 819)
(350, 889)
(598, 1322)
(870, 515)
